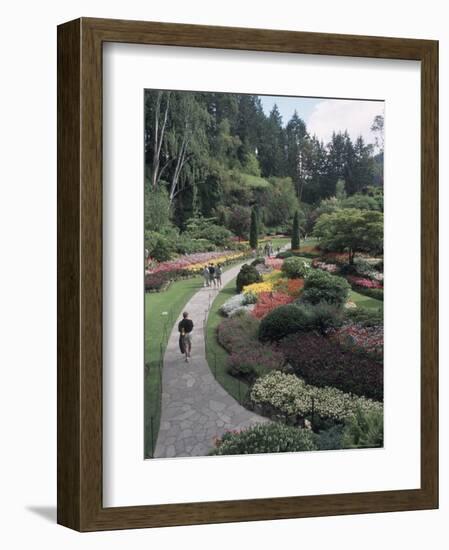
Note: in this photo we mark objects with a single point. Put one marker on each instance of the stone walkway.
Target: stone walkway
(195, 407)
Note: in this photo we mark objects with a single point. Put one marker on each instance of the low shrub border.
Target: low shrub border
(287, 398)
(265, 438)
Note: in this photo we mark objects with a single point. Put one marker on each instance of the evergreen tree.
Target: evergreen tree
(295, 231)
(253, 232)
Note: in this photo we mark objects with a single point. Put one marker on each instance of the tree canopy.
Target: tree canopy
(218, 155)
(352, 230)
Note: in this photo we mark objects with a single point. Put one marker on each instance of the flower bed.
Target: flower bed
(248, 357)
(322, 361)
(268, 301)
(157, 282)
(291, 287)
(356, 337)
(330, 268)
(286, 395)
(363, 282)
(195, 263)
(274, 263)
(257, 288)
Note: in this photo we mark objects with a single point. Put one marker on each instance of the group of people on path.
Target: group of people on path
(268, 249)
(212, 275)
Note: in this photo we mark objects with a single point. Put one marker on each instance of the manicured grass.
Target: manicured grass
(161, 311)
(216, 355)
(365, 301)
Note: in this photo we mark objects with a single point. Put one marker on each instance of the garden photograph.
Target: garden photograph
(264, 274)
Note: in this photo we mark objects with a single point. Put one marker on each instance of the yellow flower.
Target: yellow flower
(273, 276)
(257, 288)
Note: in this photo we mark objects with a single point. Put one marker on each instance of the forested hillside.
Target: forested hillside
(212, 158)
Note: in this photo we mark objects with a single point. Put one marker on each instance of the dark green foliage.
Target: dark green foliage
(284, 254)
(330, 439)
(184, 245)
(248, 275)
(253, 231)
(365, 317)
(258, 261)
(265, 438)
(362, 202)
(352, 230)
(295, 268)
(364, 430)
(239, 221)
(320, 286)
(204, 151)
(157, 209)
(207, 228)
(325, 316)
(320, 361)
(160, 247)
(285, 320)
(295, 232)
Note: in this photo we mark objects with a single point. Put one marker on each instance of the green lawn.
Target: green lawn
(365, 301)
(161, 311)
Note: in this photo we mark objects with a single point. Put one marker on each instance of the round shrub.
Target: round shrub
(265, 438)
(160, 247)
(248, 275)
(320, 286)
(294, 268)
(326, 316)
(284, 320)
(258, 261)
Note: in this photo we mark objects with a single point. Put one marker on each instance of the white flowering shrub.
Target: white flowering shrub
(232, 304)
(290, 395)
(241, 310)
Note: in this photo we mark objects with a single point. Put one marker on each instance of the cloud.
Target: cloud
(339, 115)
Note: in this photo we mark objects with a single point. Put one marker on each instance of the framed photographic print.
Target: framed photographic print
(247, 286)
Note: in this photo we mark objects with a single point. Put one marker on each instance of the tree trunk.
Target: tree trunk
(158, 139)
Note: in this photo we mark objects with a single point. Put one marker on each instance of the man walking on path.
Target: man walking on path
(185, 328)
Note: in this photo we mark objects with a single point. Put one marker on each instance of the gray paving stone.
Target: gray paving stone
(195, 408)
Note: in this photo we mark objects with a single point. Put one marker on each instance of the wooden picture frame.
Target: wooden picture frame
(80, 504)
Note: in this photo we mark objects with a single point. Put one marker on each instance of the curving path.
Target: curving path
(195, 408)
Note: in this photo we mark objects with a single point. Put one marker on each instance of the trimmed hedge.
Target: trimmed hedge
(248, 275)
(323, 362)
(321, 286)
(265, 438)
(284, 320)
(295, 268)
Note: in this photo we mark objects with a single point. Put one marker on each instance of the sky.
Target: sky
(323, 116)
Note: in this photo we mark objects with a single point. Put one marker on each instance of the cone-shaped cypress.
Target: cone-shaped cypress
(253, 231)
(295, 232)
